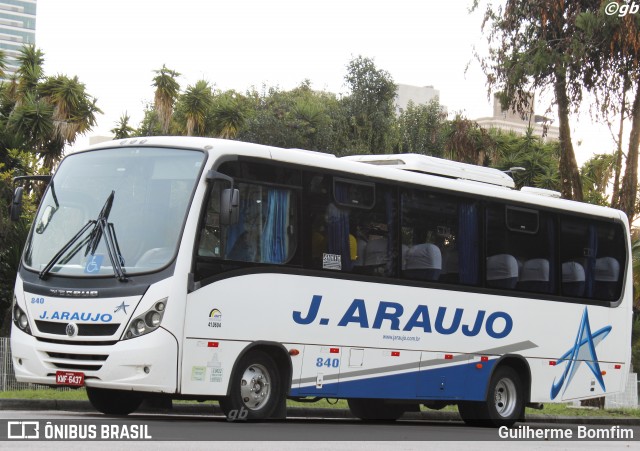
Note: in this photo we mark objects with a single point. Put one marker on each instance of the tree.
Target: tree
(532, 47)
(194, 106)
(611, 62)
(122, 129)
(538, 159)
(167, 90)
(422, 129)
(46, 114)
(228, 115)
(370, 104)
(467, 142)
(596, 178)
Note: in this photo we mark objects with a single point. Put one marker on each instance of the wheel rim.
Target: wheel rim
(505, 397)
(255, 387)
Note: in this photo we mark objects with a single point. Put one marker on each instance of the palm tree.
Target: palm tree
(74, 113)
(195, 103)
(46, 114)
(122, 129)
(167, 89)
(228, 115)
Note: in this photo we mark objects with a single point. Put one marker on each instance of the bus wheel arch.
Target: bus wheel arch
(520, 365)
(507, 394)
(268, 366)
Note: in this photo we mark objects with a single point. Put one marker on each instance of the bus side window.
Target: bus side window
(525, 240)
(440, 238)
(592, 253)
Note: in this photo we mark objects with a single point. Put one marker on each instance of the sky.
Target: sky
(114, 46)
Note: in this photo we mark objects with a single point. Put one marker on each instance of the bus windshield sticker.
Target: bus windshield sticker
(93, 264)
(198, 373)
(332, 261)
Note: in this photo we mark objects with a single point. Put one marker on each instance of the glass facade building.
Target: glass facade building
(17, 29)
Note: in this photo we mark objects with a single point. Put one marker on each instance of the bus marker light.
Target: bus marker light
(448, 356)
(212, 344)
(479, 366)
(293, 352)
(617, 367)
(603, 372)
(552, 363)
(334, 350)
(395, 353)
(484, 358)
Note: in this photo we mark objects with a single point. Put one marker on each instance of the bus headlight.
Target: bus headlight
(148, 321)
(20, 319)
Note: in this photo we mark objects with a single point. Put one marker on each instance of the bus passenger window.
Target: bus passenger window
(592, 253)
(440, 238)
(525, 241)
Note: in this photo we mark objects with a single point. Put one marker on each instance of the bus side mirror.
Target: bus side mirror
(16, 204)
(230, 206)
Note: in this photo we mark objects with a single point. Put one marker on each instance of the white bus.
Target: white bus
(197, 268)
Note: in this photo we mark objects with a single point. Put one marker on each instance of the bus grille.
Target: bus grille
(84, 330)
(78, 362)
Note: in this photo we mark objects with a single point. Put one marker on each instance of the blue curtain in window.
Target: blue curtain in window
(590, 268)
(468, 244)
(274, 246)
(551, 236)
(338, 228)
(391, 238)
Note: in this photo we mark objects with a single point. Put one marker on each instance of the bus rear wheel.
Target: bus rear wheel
(375, 409)
(255, 388)
(504, 405)
(114, 402)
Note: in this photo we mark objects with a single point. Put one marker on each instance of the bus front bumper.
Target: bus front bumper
(148, 363)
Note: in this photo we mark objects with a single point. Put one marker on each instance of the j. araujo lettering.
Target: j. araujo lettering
(392, 316)
(78, 316)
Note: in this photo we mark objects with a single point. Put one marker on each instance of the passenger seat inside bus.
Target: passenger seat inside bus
(502, 271)
(535, 276)
(573, 279)
(607, 272)
(423, 262)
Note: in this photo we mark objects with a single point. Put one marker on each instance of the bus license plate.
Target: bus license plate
(72, 378)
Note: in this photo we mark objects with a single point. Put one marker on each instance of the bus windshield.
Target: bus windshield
(149, 191)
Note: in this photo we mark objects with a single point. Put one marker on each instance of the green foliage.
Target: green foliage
(13, 234)
(39, 116)
(539, 159)
(122, 128)
(421, 129)
(370, 106)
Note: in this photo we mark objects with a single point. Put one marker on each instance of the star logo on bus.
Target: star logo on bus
(122, 307)
(582, 352)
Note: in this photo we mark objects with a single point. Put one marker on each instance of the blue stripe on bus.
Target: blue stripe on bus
(453, 382)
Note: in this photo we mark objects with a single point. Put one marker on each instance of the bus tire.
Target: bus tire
(255, 388)
(375, 409)
(505, 401)
(114, 402)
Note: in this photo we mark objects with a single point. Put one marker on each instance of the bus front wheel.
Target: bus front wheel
(114, 402)
(255, 388)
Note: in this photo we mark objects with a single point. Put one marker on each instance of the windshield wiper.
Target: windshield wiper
(104, 227)
(101, 227)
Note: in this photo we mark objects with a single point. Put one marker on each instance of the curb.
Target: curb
(295, 412)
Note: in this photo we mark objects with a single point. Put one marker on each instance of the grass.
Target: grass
(549, 409)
